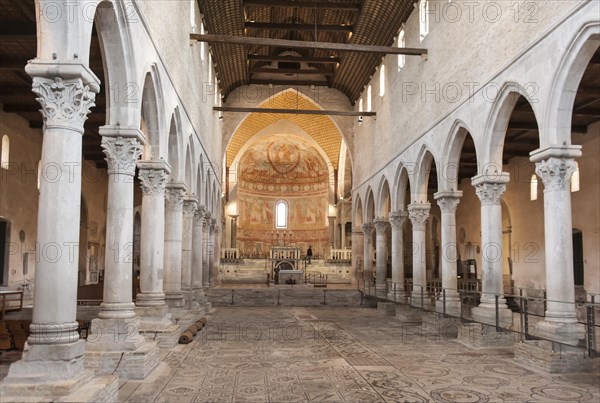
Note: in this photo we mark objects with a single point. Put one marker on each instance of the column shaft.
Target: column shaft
(173, 241)
(397, 221)
(381, 225)
(418, 214)
(205, 250)
(368, 229)
(189, 208)
(153, 176)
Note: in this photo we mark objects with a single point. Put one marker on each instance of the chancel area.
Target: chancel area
(363, 200)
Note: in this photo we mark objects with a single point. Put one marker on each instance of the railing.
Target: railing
(230, 255)
(340, 256)
(432, 298)
(318, 280)
(10, 301)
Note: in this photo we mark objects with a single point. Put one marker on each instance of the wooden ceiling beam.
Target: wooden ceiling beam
(292, 111)
(267, 58)
(307, 4)
(298, 27)
(284, 43)
(290, 82)
(266, 70)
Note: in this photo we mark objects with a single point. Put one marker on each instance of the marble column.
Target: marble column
(397, 220)
(213, 233)
(343, 236)
(206, 250)
(381, 226)
(490, 190)
(117, 326)
(234, 230)
(173, 240)
(448, 203)
(197, 254)
(54, 352)
(358, 242)
(368, 230)
(153, 177)
(331, 220)
(418, 214)
(190, 203)
(560, 322)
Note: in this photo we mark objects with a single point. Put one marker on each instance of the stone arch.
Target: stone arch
(401, 182)
(188, 174)
(497, 124)
(152, 122)
(121, 88)
(452, 152)
(174, 147)
(384, 203)
(358, 211)
(369, 212)
(558, 115)
(424, 165)
(200, 180)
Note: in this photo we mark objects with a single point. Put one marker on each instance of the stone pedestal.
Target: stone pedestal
(381, 226)
(173, 238)
(555, 358)
(489, 189)
(448, 202)
(190, 203)
(418, 214)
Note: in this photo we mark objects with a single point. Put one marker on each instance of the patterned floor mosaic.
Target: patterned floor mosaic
(342, 355)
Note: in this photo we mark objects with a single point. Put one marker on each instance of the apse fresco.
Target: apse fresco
(282, 168)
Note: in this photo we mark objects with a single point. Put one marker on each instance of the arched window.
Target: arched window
(575, 179)
(423, 18)
(5, 152)
(382, 80)
(202, 44)
(401, 44)
(360, 105)
(39, 174)
(281, 214)
(369, 98)
(533, 188)
(193, 15)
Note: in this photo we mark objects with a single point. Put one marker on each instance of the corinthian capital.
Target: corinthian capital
(368, 229)
(190, 203)
(490, 193)
(153, 177)
(556, 173)
(381, 225)
(174, 195)
(448, 201)
(65, 103)
(418, 214)
(121, 154)
(397, 219)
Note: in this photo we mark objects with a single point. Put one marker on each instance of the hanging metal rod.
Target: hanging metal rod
(291, 111)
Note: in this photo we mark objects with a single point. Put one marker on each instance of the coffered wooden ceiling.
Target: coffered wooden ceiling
(355, 22)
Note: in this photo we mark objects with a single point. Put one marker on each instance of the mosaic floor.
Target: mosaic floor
(341, 354)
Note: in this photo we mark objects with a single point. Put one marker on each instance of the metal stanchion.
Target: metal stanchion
(444, 300)
(496, 297)
(591, 331)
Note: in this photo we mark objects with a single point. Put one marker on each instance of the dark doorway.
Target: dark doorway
(578, 257)
(4, 237)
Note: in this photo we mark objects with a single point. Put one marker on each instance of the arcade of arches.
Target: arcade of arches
(153, 173)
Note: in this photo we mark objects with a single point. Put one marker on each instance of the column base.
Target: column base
(476, 335)
(174, 300)
(554, 358)
(569, 333)
(114, 335)
(47, 363)
(150, 299)
(156, 326)
(117, 310)
(452, 306)
(85, 387)
(200, 296)
(129, 364)
(487, 315)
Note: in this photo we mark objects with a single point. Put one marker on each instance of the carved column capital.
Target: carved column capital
(397, 219)
(381, 225)
(418, 214)
(174, 195)
(121, 154)
(199, 214)
(556, 173)
(357, 230)
(190, 204)
(367, 229)
(490, 193)
(153, 177)
(448, 201)
(65, 103)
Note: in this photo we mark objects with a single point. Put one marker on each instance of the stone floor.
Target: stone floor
(282, 354)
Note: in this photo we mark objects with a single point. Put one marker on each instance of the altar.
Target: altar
(291, 277)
